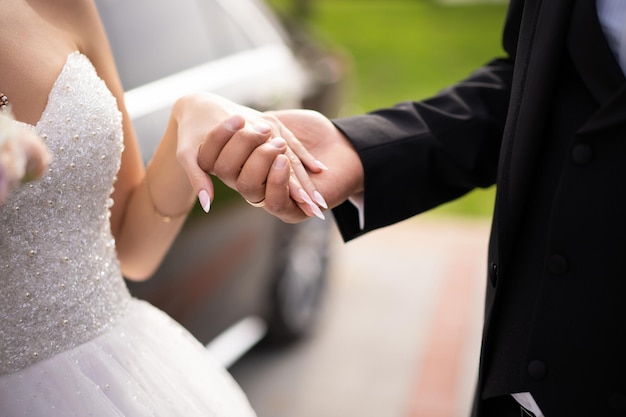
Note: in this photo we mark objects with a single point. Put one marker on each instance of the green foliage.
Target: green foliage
(407, 50)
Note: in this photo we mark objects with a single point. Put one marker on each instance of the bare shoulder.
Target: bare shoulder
(63, 11)
(77, 18)
(35, 39)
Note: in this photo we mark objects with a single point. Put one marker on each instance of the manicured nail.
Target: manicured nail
(318, 213)
(314, 208)
(278, 142)
(319, 199)
(205, 200)
(320, 165)
(261, 127)
(305, 196)
(280, 162)
(233, 124)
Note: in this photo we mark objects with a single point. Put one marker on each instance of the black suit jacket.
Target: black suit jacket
(547, 124)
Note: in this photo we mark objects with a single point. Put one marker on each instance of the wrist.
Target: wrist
(166, 214)
(214, 108)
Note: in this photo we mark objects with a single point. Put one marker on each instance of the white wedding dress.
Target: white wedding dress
(73, 342)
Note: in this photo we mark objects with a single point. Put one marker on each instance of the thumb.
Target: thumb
(205, 191)
(199, 180)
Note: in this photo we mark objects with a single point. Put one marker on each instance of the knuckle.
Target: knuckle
(294, 160)
(221, 169)
(195, 179)
(251, 139)
(181, 154)
(270, 118)
(243, 186)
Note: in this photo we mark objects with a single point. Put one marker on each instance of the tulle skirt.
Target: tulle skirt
(148, 365)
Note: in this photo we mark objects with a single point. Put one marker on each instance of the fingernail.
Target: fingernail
(278, 142)
(319, 199)
(205, 200)
(314, 208)
(320, 165)
(233, 124)
(305, 196)
(261, 127)
(318, 213)
(280, 162)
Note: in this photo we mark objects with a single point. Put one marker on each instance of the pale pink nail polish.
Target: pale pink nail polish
(205, 200)
(318, 213)
(314, 208)
(319, 199)
(320, 165)
(305, 196)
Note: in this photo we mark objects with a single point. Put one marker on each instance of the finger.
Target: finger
(301, 176)
(302, 162)
(277, 193)
(200, 181)
(308, 159)
(303, 200)
(216, 139)
(253, 176)
(236, 152)
(297, 195)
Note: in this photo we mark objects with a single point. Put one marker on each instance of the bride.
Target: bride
(74, 342)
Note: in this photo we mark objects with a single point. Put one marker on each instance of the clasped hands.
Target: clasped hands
(294, 161)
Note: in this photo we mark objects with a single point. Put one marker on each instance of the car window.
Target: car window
(145, 50)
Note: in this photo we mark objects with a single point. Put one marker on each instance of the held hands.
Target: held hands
(267, 171)
(242, 147)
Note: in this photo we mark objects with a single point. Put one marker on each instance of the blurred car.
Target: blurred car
(237, 274)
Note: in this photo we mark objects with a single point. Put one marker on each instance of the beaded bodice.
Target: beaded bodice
(60, 283)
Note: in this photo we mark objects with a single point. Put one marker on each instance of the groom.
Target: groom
(547, 125)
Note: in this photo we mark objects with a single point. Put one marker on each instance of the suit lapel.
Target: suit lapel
(611, 115)
(597, 67)
(559, 24)
(543, 35)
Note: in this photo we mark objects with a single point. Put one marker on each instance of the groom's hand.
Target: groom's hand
(342, 179)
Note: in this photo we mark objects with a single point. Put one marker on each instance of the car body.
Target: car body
(235, 274)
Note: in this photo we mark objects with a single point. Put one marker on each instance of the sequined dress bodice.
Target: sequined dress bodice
(60, 283)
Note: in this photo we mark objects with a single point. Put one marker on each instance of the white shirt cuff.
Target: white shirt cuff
(358, 201)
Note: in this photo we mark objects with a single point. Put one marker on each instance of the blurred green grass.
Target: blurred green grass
(407, 50)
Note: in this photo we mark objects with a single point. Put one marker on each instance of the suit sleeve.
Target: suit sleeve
(418, 155)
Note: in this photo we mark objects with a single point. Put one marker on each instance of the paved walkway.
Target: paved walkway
(400, 332)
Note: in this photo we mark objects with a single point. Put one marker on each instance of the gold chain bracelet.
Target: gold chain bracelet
(166, 218)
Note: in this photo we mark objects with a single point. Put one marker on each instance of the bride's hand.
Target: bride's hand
(23, 155)
(206, 125)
